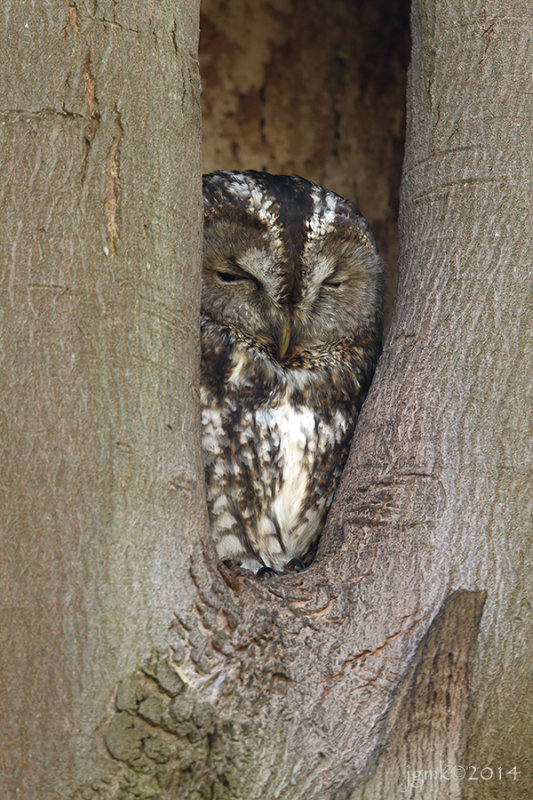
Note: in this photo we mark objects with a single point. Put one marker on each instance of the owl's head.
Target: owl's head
(287, 263)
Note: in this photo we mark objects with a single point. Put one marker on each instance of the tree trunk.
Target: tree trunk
(347, 680)
(101, 471)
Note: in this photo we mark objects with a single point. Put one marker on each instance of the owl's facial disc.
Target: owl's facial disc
(242, 283)
(288, 264)
(280, 316)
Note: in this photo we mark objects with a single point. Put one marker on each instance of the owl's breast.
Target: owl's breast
(310, 454)
(275, 441)
(271, 473)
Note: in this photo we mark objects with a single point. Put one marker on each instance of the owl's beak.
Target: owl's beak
(284, 339)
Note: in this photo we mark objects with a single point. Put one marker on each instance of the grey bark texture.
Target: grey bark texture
(100, 470)
(136, 667)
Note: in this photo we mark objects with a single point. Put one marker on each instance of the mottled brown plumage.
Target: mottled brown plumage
(291, 315)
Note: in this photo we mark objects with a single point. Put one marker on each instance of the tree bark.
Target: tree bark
(339, 682)
(101, 471)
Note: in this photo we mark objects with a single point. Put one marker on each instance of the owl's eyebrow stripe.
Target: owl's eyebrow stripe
(233, 260)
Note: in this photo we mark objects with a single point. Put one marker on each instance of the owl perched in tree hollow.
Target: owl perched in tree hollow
(291, 326)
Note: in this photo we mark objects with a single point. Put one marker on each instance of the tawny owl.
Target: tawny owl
(291, 319)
